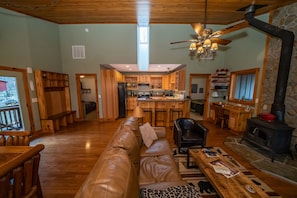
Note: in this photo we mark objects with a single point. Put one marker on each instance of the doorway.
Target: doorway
(87, 96)
(18, 98)
(199, 92)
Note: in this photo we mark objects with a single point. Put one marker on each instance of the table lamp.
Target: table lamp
(138, 112)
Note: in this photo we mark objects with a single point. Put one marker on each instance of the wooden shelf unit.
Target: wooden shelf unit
(156, 81)
(54, 100)
(132, 81)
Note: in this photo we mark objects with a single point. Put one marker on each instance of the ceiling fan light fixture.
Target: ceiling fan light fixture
(214, 47)
(200, 50)
(192, 47)
(207, 43)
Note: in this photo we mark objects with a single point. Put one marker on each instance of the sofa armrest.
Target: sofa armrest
(160, 131)
(203, 129)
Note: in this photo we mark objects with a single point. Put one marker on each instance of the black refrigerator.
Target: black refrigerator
(122, 91)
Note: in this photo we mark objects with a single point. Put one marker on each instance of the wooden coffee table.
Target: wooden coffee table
(235, 186)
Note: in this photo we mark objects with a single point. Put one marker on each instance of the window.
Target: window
(143, 47)
(243, 86)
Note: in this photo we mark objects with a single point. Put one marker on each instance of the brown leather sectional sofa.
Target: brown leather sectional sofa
(126, 165)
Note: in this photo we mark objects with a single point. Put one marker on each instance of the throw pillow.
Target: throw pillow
(174, 191)
(148, 134)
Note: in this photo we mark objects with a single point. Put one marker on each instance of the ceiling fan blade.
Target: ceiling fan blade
(221, 41)
(230, 29)
(198, 28)
(192, 40)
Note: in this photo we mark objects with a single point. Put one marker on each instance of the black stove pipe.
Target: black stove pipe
(287, 37)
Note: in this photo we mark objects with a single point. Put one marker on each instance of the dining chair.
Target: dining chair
(220, 117)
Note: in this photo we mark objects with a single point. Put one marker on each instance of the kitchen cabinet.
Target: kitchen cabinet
(156, 81)
(132, 81)
(150, 106)
(109, 94)
(165, 82)
(131, 104)
(178, 80)
(143, 78)
(119, 77)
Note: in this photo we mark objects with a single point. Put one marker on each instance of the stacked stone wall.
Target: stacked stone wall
(285, 18)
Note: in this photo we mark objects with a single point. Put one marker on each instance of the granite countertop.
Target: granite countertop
(163, 99)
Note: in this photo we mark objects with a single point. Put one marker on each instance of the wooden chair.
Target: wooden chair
(14, 138)
(220, 116)
(19, 176)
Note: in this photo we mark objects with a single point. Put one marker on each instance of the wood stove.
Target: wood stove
(273, 136)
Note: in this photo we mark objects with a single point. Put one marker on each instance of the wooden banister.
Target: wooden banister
(15, 138)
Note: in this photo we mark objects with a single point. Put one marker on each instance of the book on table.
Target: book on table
(224, 168)
(209, 153)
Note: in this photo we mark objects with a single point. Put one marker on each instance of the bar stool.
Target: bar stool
(158, 112)
(173, 111)
(150, 111)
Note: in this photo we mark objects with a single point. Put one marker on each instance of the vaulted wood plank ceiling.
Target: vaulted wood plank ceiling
(134, 11)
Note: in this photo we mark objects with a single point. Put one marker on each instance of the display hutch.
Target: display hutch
(54, 100)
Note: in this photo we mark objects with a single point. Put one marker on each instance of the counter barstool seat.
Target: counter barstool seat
(163, 112)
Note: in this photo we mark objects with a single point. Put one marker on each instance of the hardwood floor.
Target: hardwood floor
(70, 154)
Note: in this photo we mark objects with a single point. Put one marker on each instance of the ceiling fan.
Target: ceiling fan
(206, 41)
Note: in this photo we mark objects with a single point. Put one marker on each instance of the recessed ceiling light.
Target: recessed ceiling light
(127, 65)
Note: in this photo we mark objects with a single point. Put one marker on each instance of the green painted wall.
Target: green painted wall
(29, 42)
(47, 46)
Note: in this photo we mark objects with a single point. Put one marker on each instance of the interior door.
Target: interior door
(202, 89)
(23, 94)
(87, 96)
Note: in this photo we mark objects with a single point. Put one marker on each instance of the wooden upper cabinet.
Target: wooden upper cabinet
(165, 82)
(144, 78)
(156, 81)
(109, 94)
(181, 79)
(172, 81)
(172, 78)
(132, 81)
(119, 77)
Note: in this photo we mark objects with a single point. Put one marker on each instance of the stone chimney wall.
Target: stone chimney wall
(285, 18)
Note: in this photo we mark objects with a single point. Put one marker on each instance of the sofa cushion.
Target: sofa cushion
(127, 140)
(158, 147)
(132, 123)
(160, 131)
(113, 176)
(148, 134)
(154, 169)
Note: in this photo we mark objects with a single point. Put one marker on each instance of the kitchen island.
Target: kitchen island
(160, 111)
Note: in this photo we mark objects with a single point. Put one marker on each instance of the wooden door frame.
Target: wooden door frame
(207, 91)
(27, 92)
(78, 91)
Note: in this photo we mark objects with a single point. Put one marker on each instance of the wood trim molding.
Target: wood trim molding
(27, 93)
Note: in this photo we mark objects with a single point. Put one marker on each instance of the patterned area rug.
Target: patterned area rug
(283, 165)
(196, 178)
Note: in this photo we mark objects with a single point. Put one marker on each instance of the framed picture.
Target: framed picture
(194, 88)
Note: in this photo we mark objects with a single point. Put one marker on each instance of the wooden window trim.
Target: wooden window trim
(233, 86)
